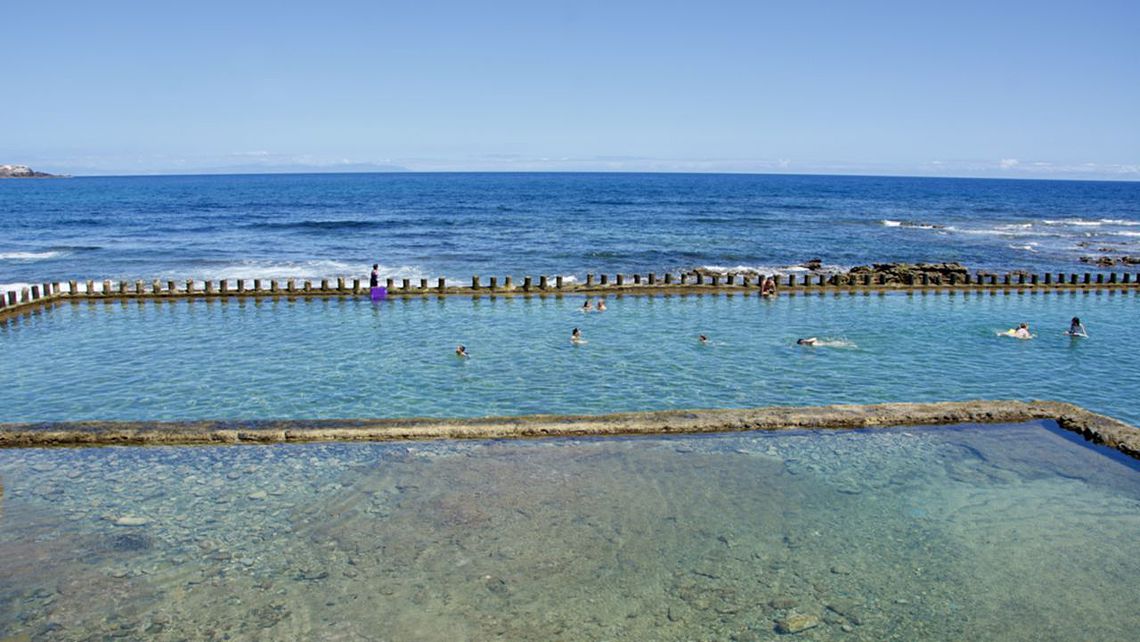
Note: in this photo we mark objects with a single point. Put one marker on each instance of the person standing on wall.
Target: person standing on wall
(374, 280)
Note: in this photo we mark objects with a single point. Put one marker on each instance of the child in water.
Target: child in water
(703, 339)
(601, 305)
(1077, 329)
(1022, 332)
(576, 337)
(461, 351)
(586, 306)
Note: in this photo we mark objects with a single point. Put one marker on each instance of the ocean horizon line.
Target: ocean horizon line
(597, 172)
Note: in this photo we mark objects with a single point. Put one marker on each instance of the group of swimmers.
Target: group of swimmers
(1076, 329)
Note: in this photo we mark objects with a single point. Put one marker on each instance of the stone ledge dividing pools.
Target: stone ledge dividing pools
(1094, 427)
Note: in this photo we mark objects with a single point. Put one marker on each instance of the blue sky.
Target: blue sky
(1020, 89)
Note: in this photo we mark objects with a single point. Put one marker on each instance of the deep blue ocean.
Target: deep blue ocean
(456, 225)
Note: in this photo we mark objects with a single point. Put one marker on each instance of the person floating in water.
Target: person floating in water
(1022, 332)
(374, 279)
(769, 287)
(703, 339)
(586, 306)
(461, 351)
(807, 341)
(1077, 329)
(576, 337)
(601, 305)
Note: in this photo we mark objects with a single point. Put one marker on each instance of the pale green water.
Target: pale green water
(1012, 532)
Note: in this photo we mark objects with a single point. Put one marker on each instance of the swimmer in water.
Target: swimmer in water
(601, 305)
(586, 306)
(461, 351)
(1022, 332)
(769, 287)
(1077, 329)
(703, 339)
(809, 341)
(576, 337)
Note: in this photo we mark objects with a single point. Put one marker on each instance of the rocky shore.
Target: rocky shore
(891, 273)
(1109, 261)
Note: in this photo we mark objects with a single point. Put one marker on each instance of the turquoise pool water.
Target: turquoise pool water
(1013, 532)
(352, 358)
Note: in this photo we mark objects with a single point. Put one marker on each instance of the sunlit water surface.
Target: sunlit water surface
(1013, 532)
(278, 359)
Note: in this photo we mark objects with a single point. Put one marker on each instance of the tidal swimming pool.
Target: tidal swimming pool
(1010, 532)
(297, 359)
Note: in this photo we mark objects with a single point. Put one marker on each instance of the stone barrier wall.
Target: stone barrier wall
(37, 296)
(1095, 427)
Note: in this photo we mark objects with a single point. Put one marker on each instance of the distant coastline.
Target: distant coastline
(23, 171)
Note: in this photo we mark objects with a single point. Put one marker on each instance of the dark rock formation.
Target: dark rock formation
(1109, 261)
(905, 272)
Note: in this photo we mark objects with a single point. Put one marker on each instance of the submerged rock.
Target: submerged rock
(131, 541)
(796, 623)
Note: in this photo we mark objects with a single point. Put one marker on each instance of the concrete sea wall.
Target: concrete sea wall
(1098, 428)
(38, 296)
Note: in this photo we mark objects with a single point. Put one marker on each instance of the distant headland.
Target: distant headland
(23, 171)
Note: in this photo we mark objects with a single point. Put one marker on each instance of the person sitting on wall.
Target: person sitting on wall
(769, 287)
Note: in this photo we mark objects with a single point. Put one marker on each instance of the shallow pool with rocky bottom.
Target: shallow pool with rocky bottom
(1011, 532)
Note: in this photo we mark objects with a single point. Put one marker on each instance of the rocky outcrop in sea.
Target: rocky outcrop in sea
(23, 171)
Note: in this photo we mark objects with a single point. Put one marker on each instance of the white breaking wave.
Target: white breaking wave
(991, 232)
(1084, 222)
(1122, 233)
(1077, 222)
(770, 270)
(1028, 247)
(315, 269)
(910, 224)
(29, 256)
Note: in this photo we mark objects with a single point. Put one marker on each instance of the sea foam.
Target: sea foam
(29, 256)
